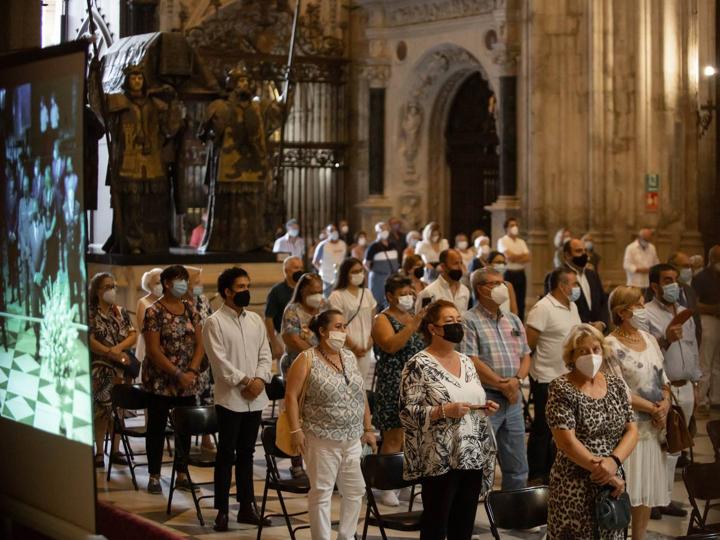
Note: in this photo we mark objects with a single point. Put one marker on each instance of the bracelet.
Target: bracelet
(442, 410)
(616, 460)
(369, 430)
(298, 430)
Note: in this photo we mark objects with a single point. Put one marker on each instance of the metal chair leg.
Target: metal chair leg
(172, 489)
(285, 514)
(262, 507)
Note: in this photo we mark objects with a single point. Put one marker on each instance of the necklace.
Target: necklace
(340, 369)
(630, 338)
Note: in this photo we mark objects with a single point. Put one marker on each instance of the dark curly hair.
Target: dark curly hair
(176, 271)
(322, 320)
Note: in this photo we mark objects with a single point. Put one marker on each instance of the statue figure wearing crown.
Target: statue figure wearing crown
(238, 172)
(140, 123)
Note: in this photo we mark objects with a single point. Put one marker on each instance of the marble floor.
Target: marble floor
(183, 521)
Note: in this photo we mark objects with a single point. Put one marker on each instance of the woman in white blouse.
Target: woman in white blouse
(357, 304)
(150, 283)
(430, 247)
(449, 447)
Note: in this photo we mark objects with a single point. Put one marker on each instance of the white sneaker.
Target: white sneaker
(389, 498)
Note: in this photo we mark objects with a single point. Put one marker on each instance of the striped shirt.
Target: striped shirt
(497, 340)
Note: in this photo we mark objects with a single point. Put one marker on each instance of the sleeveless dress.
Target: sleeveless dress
(389, 369)
(599, 425)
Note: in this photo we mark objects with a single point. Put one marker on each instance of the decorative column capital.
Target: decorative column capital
(377, 74)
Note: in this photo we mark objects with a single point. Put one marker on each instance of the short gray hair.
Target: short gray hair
(289, 259)
(479, 276)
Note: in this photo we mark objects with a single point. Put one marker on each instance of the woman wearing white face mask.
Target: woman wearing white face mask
(429, 248)
(110, 333)
(637, 357)
(352, 298)
(357, 250)
(395, 332)
(332, 426)
(150, 283)
(592, 422)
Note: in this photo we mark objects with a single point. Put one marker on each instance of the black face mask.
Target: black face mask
(580, 261)
(455, 275)
(242, 299)
(419, 272)
(453, 332)
(297, 275)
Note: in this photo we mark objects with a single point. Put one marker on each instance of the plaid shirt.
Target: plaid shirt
(497, 340)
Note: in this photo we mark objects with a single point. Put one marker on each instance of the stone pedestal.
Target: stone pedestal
(375, 208)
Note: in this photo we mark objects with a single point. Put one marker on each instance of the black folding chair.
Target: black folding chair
(701, 482)
(385, 471)
(189, 421)
(517, 509)
(281, 485)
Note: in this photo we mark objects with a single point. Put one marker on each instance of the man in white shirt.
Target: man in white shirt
(640, 255)
(447, 286)
(237, 346)
(548, 324)
(680, 354)
(329, 255)
(517, 256)
(291, 242)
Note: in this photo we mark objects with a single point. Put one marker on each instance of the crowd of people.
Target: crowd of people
(444, 335)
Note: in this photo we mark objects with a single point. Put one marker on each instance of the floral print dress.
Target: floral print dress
(109, 329)
(177, 342)
(388, 371)
(205, 383)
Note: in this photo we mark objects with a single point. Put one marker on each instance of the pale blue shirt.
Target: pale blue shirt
(682, 359)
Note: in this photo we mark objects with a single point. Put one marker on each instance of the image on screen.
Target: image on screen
(44, 362)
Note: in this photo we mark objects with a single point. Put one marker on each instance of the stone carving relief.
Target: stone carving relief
(409, 205)
(415, 12)
(377, 74)
(411, 118)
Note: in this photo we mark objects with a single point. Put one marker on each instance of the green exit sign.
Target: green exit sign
(652, 183)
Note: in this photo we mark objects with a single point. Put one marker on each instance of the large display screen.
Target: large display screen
(44, 360)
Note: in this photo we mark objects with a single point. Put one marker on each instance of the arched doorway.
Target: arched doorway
(472, 156)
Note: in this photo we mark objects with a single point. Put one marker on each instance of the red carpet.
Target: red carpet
(114, 523)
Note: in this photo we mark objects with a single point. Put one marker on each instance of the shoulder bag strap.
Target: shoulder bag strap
(362, 296)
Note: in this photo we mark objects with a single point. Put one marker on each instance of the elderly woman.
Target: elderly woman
(594, 429)
(636, 356)
(150, 283)
(173, 335)
(449, 446)
(110, 334)
(332, 425)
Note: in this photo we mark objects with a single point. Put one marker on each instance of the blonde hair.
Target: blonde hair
(577, 334)
(623, 297)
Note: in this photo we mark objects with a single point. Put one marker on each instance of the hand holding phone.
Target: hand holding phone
(479, 407)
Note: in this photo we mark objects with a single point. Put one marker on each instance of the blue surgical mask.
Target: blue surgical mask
(574, 294)
(671, 292)
(197, 290)
(179, 288)
(589, 245)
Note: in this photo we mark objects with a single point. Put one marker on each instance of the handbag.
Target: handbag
(678, 435)
(611, 514)
(283, 437)
(132, 368)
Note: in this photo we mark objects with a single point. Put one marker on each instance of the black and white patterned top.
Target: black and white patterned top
(434, 448)
(334, 407)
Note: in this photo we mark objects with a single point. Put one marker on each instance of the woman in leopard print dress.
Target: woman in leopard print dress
(593, 425)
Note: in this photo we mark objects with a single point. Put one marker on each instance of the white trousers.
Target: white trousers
(710, 361)
(328, 463)
(686, 398)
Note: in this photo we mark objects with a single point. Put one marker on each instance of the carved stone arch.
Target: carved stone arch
(436, 78)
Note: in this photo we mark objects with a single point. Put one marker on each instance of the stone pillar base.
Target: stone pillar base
(505, 207)
(375, 208)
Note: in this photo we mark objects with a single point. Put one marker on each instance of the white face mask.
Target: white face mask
(314, 300)
(640, 319)
(462, 244)
(344, 229)
(435, 237)
(110, 296)
(336, 340)
(500, 294)
(514, 230)
(293, 232)
(589, 364)
(334, 235)
(384, 235)
(686, 275)
(362, 241)
(406, 302)
(157, 290)
(500, 267)
(357, 279)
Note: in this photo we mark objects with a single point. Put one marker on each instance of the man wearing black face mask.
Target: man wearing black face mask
(237, 346)
(591, 305)
(279, 297)
(447, 286)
